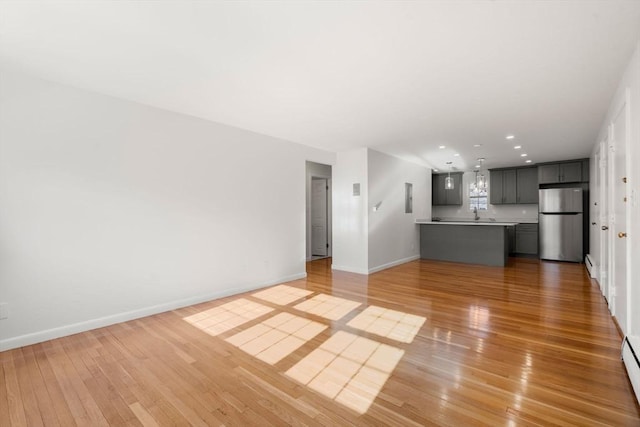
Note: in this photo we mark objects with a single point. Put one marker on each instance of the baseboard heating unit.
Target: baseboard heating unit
(591, 268)
(631, 356)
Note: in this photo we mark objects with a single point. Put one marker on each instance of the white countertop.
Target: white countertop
(428, 221)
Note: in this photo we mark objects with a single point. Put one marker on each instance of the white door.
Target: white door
(618, 226)
(603, 219)
(319, 237)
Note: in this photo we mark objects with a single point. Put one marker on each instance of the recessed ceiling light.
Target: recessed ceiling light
(478, 166)
(477, 145)
(517, 147)
(456, 155)
(435, 170)
(528, 161)
(442, 146)
(523, 155)
(510, 136)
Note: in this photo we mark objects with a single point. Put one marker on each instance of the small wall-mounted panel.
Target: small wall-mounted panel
(408, 197)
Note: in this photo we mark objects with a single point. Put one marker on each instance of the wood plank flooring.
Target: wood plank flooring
(529, 344)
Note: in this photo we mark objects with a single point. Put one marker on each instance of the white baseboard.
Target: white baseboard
(349, 269)
(75, 328)
(631, 357)
(393, 263)
(591, 266)
(374, 269)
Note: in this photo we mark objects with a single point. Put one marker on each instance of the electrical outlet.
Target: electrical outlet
(4, 310)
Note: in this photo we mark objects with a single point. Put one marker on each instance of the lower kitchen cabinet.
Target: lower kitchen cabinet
(527, 239)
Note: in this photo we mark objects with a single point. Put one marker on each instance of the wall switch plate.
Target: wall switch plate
(4, 310)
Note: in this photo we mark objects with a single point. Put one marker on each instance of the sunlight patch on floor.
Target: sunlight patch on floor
(277, 337)
(327, 306)
(396, 325)
(223, 318)
(282, 294)
(348, 369)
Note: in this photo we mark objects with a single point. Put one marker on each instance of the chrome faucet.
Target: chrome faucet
(475, 213)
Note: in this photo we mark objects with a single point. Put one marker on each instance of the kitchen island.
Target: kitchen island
(471, 242)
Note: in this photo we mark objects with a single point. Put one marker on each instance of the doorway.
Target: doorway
(619, 138)
(319, 216)
(319, 220)
(602, 183)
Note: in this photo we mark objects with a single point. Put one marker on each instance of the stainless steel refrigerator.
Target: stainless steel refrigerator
(560, 218)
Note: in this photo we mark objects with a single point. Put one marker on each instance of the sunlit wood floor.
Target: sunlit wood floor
(529, 344)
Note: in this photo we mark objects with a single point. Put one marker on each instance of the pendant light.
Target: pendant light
(481, 180)
(448, 181)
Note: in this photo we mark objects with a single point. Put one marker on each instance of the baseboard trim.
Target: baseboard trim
(631, 359)
(374, 269)
(592, 268)
(75, 328)
(393, 263)
(349, 269)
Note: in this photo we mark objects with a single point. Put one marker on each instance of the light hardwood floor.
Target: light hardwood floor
(439, 344)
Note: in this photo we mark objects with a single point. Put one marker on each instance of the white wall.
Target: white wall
(112, 210)
(631, 81)
(634, 184)
(394, 237)
(317, 170)
(526, 213)
(350, 220)
(366, 241)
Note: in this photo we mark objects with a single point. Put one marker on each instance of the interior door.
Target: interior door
(319, 226)
(603, 275)
(619, 218)
(594, 212)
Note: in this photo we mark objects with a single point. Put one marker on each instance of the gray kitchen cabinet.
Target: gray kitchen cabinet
(495, 187)
(560, 172)
(527, 239)
(509, 187)
(512, 186)
(502, 186)
(511, 238)
(443, 197)
(585, 170)
(527, 185)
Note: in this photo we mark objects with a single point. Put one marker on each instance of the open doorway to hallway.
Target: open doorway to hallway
(318, 211)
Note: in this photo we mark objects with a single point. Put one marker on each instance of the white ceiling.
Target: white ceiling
(399, 77)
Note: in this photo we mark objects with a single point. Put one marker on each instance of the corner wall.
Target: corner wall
(350, 215)
(394, 238)
(366, 241)
(112, 210)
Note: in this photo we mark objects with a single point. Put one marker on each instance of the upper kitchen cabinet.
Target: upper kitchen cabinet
(502, 187)
(513, 186)
(564, 172)
(443, 197)
(527, 185)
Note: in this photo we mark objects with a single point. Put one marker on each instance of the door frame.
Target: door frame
(614, 223)
(326, 218)
(323, 171)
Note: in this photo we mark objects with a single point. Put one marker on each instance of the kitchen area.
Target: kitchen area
(485, 217)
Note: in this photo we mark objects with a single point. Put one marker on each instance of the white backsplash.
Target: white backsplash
(504, 213)
(501, 213)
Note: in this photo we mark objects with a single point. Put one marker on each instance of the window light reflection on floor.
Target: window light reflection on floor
(277, 337)
(282, 294)
(392, 324)
(223, 318)
(348, 369)
(327, 306)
